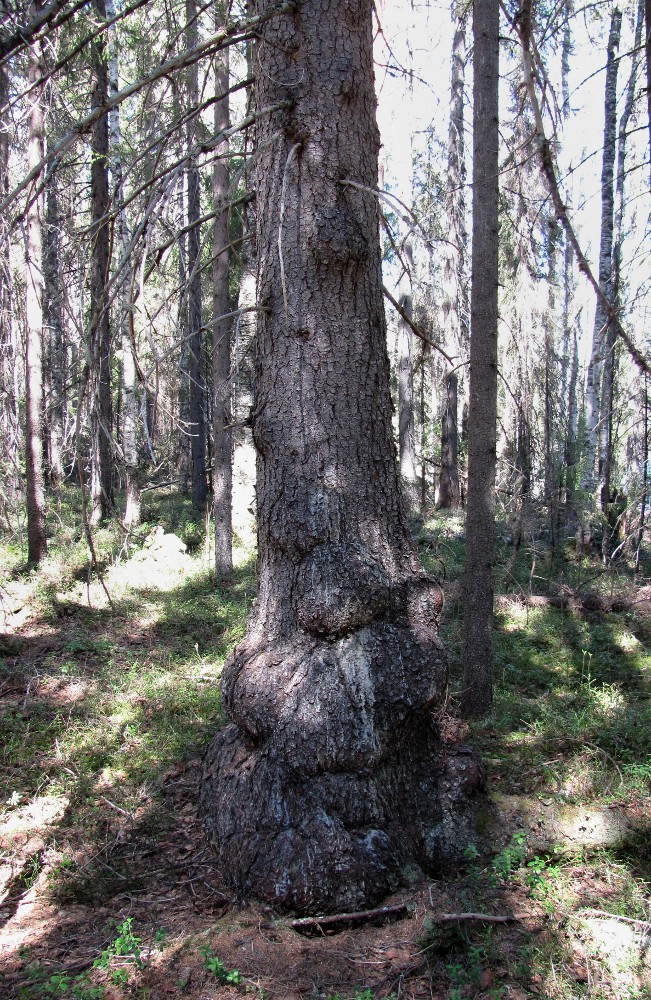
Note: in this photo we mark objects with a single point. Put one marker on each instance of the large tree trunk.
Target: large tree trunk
(36, 539)
(330, 778)
(197, 423)
(477, 695)
(100, 332)
(222, 433)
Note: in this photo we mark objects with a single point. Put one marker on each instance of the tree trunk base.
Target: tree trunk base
(336, 841)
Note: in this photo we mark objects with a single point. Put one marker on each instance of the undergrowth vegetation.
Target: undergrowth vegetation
(109, 693)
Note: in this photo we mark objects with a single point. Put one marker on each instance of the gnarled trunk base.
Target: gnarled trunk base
(333, 786)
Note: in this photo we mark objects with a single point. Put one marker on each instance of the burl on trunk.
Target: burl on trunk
(331, 782)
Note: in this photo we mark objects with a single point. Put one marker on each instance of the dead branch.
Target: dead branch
(487, 918)
(308, 925)
(414, 328)
(239, 31)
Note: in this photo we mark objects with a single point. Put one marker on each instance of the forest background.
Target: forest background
(127, 325)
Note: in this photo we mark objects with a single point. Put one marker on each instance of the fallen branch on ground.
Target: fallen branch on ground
(314, 924)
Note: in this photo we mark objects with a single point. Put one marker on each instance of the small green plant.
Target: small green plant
(62, 984)
(125, 946)
(215, 965)
(511, 857)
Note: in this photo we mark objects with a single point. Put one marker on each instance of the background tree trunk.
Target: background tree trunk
(10, 439)
(331, 777)
(477, 697)
(102, 497)
(601, 323)
(55, 372)
(222, 433)
(129, 434)
(455, 303)
(449, 493)
(197, 392)
(36, 539)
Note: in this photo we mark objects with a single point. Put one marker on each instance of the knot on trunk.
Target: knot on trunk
(339, 588)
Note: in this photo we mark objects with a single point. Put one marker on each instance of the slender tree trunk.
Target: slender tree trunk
(328, 781)
(610, 354)
(185, 446)
(100, 332)
(129, 436)
(36, 538)
(552, 431)
(455, 305)
(601, 323)
(10, 443)
(478, 579)
(55, 373)
(647, 52)
(222, 433)
(645, 475)
(405, 373)
(197, 423)
(449, 492)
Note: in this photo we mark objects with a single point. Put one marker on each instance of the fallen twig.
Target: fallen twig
(615, 916)
(487, 918)
(315, 924)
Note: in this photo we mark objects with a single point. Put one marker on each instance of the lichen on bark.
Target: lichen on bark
(331, 779)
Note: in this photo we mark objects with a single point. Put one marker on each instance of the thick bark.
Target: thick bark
(36, 539)
(331, 778)
(478, 581)
(222, 433)
(100, 333)
(602, 317)
(197, 390)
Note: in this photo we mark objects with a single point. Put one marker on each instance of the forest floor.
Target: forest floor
(107, 887)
